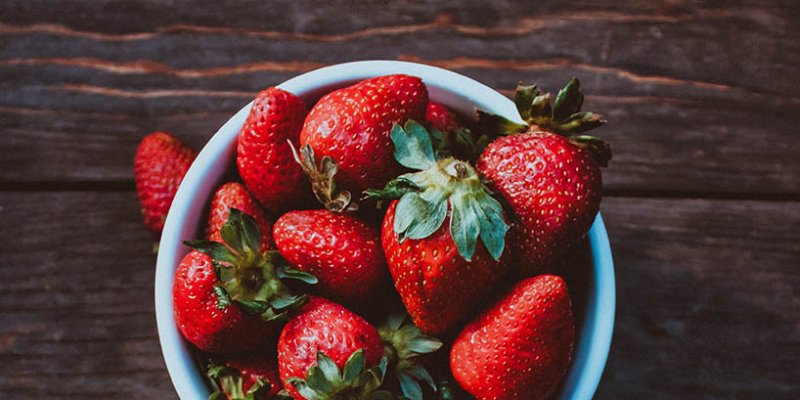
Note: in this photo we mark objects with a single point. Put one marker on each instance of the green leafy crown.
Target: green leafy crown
(227, 383)
(441, 184)
(247, 278)
(355, 381)
(403, 344)
(563, 117)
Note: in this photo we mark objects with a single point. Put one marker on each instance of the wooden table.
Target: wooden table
(702, 196)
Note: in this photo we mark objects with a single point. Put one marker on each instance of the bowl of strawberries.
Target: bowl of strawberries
(358, 232)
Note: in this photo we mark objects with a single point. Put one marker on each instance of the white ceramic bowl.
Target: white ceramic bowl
(456, 91)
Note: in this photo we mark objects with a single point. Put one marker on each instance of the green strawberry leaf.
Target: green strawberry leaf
(395, 189)
(569, 100)
(296, 274)
(217, 251)
(354, 366)
(421, 374)
(464, 227)
(412, 146)
(223, 299)
(328, 367)
(409, 386)
(523, 98)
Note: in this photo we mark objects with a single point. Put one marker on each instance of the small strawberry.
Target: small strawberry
(441, 118)
(343, 252)
(249, 377)
(227, 295)
(325, 350)
(352, 126)
(263, 152)
(160, 163)
(235, 195)
(550, 178)
(430, 236)
(520, 347)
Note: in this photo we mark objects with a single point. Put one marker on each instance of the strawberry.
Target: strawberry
(227, 295)
(320, 341)
(441, 118)
(430, 235)
(263, 152)
(235, 195)
(520, 347)
(327, 352)
(352, 126)
(551, 181)
(159, 165)
(343, 252)
(245, 377)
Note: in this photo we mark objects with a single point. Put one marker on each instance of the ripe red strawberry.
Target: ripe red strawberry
(320, 341)
(235, 195)
(551, 182)
(430, 236)
(442, 118)
(343, 252)
(520, 347)
(263, 153)
(254, 375)
(202, 320)
(225, 296)
(352, 126)
(160, 163)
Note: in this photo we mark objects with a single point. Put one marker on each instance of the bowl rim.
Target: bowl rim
(454, 90)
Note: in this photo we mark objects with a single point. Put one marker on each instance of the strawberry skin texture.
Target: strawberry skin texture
(442, 118)
(554, 189)
(255, 367)
(263, 155)
(352, 126)
(343, 252)
(438, 287)
(322, 325)
(199, 319)
(159, 165)
(235, 195)
(521, 347)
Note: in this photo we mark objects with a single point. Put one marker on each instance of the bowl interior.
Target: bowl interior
(458, 92)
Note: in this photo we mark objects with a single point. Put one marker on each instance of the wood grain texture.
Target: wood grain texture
(709, 299)
(703, 194)
(701, 98)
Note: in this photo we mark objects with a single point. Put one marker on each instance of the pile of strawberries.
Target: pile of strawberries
(391, 210)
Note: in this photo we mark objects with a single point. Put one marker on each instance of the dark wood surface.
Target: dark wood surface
(703, 194)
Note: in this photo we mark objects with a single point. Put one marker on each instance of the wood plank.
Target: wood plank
(76, 299)
(701, 100)
(708, 299)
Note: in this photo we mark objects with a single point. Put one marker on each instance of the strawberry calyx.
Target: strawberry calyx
(442, 185)
(562, 116)
(325, 381)
(246, 277)
(228, 383)
(403, 344)
(322, 179)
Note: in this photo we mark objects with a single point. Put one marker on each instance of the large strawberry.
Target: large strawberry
(263, 152)
(235, 195)
(430, 235)
(352, 126)
(245, 377)
(343, 252)
(159, 165)
(227, 295)
(520, 347)
(549, 175)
